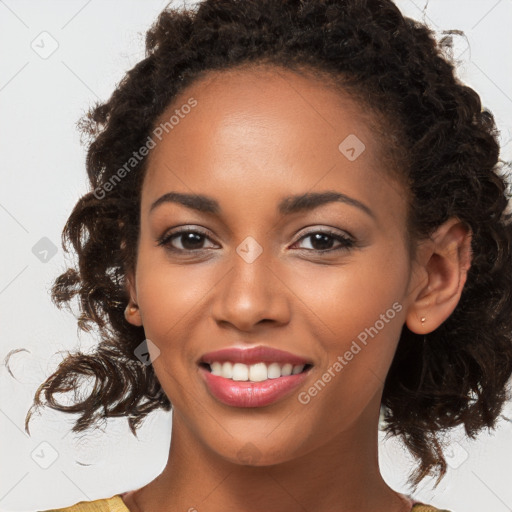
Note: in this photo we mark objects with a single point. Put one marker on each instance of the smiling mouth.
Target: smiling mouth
(258, 372)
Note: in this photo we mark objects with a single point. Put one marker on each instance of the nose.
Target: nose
(251, 293)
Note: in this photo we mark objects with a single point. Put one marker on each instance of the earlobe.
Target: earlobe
(446, 266)
(132, 311)
(132, 314)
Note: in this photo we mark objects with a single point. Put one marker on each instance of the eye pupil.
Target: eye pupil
(189, 239)
(325, 240)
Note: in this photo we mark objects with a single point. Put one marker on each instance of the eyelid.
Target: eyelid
(318, 228)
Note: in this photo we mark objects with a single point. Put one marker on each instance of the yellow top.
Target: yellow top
(116, 504)
(113, 504)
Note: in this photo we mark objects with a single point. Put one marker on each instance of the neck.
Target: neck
(341, 474)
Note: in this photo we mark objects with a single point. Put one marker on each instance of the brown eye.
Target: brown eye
(184, 240)
(322, 241)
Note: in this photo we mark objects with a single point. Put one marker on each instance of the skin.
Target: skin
(254, 138)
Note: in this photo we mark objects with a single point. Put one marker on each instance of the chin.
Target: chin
(257, 454)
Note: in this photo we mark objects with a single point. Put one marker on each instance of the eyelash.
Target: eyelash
(346, 243)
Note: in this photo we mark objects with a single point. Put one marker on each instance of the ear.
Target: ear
(132, 311)
(443, 262)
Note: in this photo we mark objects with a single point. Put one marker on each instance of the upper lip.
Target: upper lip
(253, 355)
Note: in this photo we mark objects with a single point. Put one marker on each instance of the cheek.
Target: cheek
(359, 316)
(169, 294)
(353, 297)
(358, 349)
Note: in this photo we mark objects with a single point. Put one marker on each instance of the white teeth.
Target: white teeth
(273, 371)
(287, 369)
(240, 371)
(297, 369)
(258, 372)
(216, 368)
(254, 373)
(227, 370)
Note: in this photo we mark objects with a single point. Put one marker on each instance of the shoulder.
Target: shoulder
(422, 507)
(113, 504)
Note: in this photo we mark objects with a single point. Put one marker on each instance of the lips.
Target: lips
(240, 392)
(253, 355)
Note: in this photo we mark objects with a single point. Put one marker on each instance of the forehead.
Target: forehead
(262, 132)
(244, 108)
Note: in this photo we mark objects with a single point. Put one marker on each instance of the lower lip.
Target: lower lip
(251, 394)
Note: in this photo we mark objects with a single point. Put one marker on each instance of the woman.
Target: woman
(296, 222)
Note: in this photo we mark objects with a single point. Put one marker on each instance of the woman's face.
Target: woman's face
(260, 273)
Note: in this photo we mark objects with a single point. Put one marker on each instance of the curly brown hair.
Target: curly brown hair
(457, 374)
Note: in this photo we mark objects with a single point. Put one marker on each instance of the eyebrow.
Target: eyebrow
(287, 206)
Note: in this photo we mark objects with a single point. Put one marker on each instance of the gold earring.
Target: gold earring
(130, 310)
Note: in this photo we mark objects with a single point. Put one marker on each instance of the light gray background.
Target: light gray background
(42, 176)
